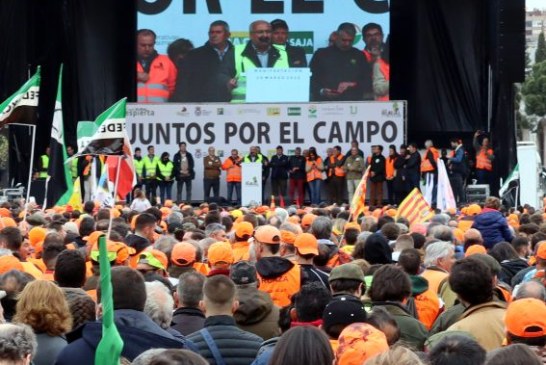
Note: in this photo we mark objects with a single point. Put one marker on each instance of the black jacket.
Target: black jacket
(138, 332)
(330, 66)
(299, 162)
(177, 162)
(137, 242)
(199, 77)
(237, 347)
(413, 164)
(296, 56)
(188, 320)
(377, 165)
(279, 167)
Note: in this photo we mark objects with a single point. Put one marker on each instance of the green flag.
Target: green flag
(110, 346)
(59, 183)
(22, 105)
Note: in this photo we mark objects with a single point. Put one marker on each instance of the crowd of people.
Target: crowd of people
(215, 72)
(262, 285)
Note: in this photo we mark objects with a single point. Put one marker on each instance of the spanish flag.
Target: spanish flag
(358, 203)
(415, 208)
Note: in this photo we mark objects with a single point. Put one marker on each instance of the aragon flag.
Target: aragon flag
(21, 106)
(59, 182)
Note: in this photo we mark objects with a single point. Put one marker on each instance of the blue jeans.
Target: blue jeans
(165, 190)
(230, 187)
(314, 191)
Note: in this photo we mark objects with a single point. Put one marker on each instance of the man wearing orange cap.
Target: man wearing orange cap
(279, 277)
(540, 262)
(153, 261)
(220, 259)
(241, 246)
(184, 259)
(525, 323)
(307, 248)
(307, 220)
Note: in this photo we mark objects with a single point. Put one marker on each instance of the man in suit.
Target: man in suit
(279, 37)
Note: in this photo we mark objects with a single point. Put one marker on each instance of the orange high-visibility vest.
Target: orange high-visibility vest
(338, 170)
(233, 170)
(161, 82)
(482, 160)
(426, 166)
(427, 305)
(282, 287)
(389, 167)
(313, 173)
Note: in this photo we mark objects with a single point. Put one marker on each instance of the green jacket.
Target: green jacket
(412, 332)
(354, 167)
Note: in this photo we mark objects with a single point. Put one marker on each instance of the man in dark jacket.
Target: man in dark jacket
(377, 176)
(457, 169)
(296, 167)
(340, 72)
(279, 37)
(184, 172)
(413, 167)
(138, 332)
(199, 77)
(221, 341)
(401, 176)
(279, 176)
(188, 317)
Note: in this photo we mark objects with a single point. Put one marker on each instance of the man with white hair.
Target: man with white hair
(439, 258)
(17, 344)
(159, 305)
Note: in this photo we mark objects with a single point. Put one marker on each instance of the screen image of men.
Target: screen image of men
(377, 55)
(340, 72)
(279, 36)
(199, 79)
(156, 74)
(258, 52)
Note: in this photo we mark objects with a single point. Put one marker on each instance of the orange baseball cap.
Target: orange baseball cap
(117, 251)
(220, 253)
(10, 262)
(353, 225)
(306, 244)
(459, 234)
(475, 249)
(168, 203)
(288, 237)
(36, 235)
(183, 254)
(541, 252)
(359, 342)
(8, 222)
(268, 235)
(526, 318)
(308, 219)
(164, 212)
(244, 229)
(391, 212)
(4, 212)
(294, 219)
(93, 238)
(473, 209)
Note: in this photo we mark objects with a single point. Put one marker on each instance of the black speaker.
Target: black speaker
(511, 40)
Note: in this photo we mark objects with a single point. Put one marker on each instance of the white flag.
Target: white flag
(444, 196)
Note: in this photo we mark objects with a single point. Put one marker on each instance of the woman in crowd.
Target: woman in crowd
(314, 168)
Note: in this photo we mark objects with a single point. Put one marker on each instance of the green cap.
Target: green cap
(346, 272)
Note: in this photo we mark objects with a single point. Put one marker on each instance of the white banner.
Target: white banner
(239, 126)
(251, 184)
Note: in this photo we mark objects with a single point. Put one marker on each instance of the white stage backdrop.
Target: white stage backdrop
(239, 126)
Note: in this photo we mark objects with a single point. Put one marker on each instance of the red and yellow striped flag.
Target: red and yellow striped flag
(415, 208)
(358, 203)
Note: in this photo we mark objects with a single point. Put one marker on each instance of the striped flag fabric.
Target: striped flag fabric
(59, 182)
(415, 208)
(22, 105)
(358, 203)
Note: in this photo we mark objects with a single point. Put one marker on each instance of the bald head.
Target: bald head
(473, 235)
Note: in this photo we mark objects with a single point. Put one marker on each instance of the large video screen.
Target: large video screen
(209, 50)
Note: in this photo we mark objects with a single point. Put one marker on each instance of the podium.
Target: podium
(251, 183)
(277, 85)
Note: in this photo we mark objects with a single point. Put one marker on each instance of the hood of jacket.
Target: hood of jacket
(419, 285)
(273, 267)
(254, 305)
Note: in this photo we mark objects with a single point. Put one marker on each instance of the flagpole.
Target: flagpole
(33, 128)
(118, 168)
